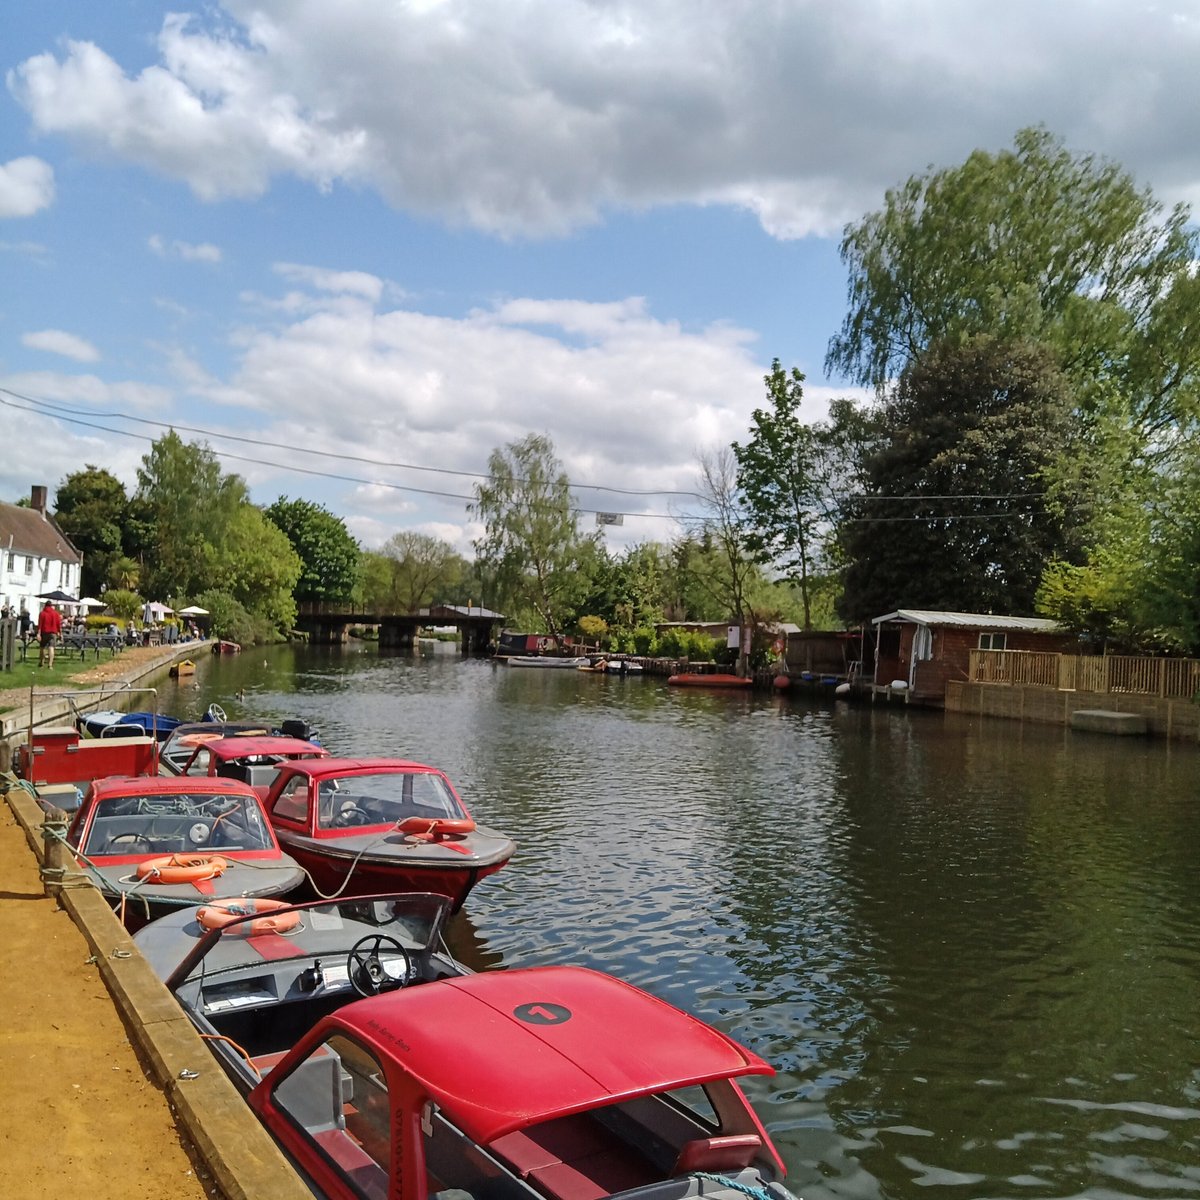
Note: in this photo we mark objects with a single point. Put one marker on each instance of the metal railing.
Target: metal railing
(1167, 678)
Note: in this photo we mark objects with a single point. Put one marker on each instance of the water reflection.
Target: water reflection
(970, 947)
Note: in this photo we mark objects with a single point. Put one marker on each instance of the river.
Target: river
(971, 949)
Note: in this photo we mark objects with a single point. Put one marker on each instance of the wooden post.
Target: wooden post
(56, 858)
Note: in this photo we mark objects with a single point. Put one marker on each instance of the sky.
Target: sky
(356, 246)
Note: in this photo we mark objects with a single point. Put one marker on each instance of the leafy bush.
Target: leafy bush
(230, 620)
(593, 628)
(125, 605)
(700, 647)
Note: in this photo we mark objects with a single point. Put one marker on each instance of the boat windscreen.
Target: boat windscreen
(328, 932)
(169, 823)
(386, 797)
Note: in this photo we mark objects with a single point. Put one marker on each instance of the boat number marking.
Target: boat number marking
(542, 1014)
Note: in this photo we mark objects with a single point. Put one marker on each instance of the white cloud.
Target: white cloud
(535, 118)
(355, 283)
(26, 187)
(56, 341)
(186, 251)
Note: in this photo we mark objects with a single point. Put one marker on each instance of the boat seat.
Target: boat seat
(732, 1152)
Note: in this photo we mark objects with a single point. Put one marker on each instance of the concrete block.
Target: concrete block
(1099, 720)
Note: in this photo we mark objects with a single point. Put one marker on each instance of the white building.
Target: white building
(35, 555)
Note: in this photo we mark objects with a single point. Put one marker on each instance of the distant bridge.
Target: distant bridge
(326, 622)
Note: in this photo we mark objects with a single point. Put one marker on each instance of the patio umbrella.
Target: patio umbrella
(193, 610)
(59, 597)
(90, 602)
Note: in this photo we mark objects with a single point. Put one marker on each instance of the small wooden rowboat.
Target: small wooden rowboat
(180, 669)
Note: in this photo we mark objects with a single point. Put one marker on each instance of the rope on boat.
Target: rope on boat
(759, 1193)
(350, 873)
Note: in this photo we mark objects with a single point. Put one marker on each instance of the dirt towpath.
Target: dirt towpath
(78, 1115)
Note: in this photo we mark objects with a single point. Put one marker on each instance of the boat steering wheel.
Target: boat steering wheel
(351, 814)
(131, 840)
(216, 713)
(365, 964)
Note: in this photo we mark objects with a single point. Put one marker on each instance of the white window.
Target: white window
(28, 565)
(993, 641)
(12, 561)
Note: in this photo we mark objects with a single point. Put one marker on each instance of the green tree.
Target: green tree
(731, 569)
(91, 507)
(1033, 243)
(328, 554)
(124, 572)
(531, 545)
(257, 566)
(786, 472)
(424, 570)
(187, 503)
(955, 514)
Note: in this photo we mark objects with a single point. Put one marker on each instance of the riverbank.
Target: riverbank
(113, 1094)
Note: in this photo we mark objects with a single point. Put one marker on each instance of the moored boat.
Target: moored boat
(713, 680)
(549, 661)
(553, 1082)
(360, 826)
(152, 845)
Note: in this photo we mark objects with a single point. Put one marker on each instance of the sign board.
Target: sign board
(610, 518)
(733, 638)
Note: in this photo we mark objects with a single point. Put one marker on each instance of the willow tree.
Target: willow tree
(531, 545)
(1031, 244)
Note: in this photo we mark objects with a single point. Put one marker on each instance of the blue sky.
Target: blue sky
(410, 233)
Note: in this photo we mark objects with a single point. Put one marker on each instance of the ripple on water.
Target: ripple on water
(971, 949)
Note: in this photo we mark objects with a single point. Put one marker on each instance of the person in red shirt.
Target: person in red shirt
(49, 628)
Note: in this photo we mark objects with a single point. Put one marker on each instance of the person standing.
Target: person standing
(49, 628)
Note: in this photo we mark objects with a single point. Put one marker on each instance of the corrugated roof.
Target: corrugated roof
(26, 531)
(961, 620)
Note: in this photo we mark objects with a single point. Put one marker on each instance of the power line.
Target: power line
(295, 469)
(72, 416)
(60, 409)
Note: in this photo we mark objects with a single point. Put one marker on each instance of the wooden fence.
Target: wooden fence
(1172, 678)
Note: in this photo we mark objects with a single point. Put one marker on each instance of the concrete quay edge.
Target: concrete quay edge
(238, 1152)
(13, 724)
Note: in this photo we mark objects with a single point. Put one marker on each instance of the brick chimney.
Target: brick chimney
(37, 498)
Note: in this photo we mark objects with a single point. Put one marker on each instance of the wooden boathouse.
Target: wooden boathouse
(919, 652)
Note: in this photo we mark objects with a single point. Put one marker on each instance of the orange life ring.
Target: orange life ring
(433, 829)
(182, 868)
(220, 913)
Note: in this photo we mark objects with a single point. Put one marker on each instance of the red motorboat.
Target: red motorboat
(251, 758)
(362, 826)
(540, 1083)
(155, 844)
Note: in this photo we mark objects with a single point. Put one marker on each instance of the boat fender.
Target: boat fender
(182, 868)
(220, 913)
(434, 829)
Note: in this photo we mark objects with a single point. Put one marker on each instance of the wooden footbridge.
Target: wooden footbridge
(326, 623)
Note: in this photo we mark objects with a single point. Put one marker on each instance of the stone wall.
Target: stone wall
(1178, 719)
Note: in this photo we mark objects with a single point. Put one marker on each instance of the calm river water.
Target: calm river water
(971, 950)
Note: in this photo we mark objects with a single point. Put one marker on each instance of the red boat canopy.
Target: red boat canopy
(265, 746)
(545, 1042)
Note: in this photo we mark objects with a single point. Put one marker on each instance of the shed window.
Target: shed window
(993, 641)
